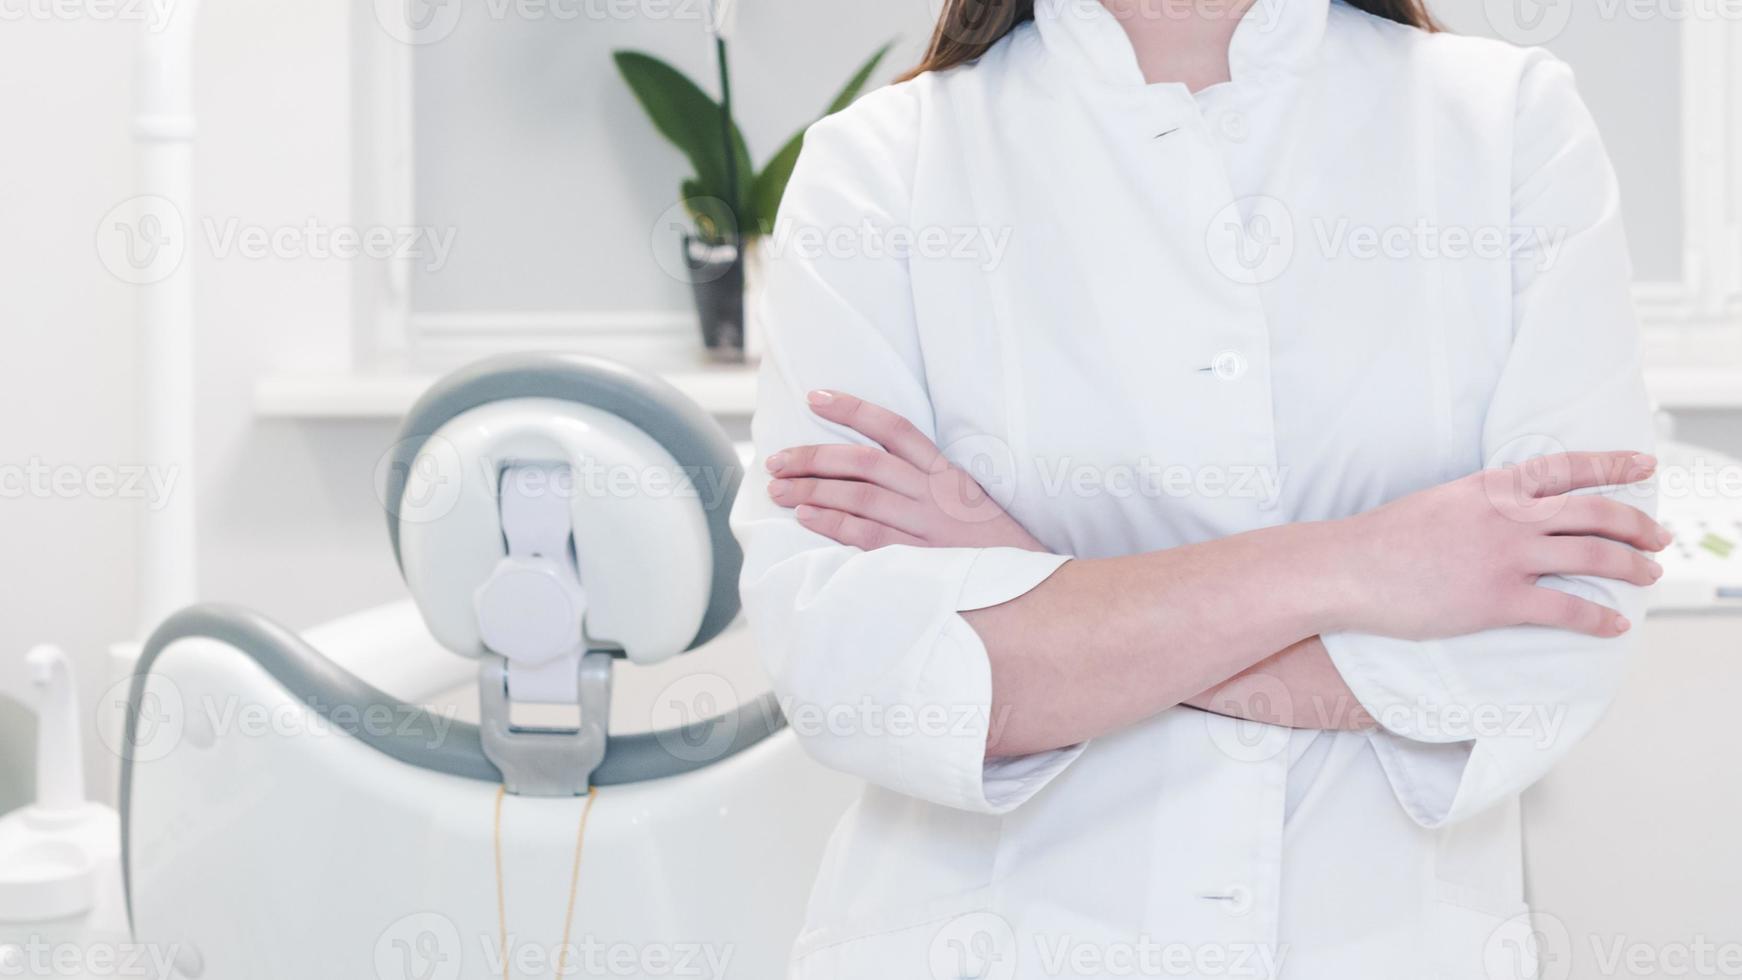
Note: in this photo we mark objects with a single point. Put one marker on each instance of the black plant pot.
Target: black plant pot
(716, 273)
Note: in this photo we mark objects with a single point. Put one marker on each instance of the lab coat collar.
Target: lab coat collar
(1273, 36)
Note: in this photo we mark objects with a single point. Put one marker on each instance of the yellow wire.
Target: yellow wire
(562, 955)
(574, 885)
(501, 899)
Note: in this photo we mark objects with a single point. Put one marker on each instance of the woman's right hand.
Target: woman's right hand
(1466, 556)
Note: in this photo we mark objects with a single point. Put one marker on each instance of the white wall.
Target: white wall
(66, 376)
(289, 520)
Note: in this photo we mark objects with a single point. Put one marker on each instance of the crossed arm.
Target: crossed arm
(1431, 607)
(1230, 625)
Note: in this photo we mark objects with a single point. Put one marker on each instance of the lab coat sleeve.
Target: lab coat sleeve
(877, 671)
(1471, 721)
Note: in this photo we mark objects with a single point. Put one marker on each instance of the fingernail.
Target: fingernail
(806, 512)
(1664, 537)
(779, 488)
(777, 462)
(1644, 464)
(1656, 569)
(1622, 625)
(820, 397)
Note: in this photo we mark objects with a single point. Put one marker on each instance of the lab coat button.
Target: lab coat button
(1239, 900)
(1229, 365)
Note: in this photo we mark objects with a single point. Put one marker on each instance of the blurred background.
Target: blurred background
(531, 205)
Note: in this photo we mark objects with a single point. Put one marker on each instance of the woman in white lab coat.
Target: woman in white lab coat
(1245, 315)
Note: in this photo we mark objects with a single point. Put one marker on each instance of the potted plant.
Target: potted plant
(731, 204)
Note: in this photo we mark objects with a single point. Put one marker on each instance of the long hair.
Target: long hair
(967, 29)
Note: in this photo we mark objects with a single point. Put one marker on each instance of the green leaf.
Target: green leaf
(857, 82)
(770, 185)
(688, 118)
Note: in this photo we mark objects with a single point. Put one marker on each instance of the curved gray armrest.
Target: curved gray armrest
(418, 738)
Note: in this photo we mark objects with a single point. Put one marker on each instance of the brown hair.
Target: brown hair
(967, 29)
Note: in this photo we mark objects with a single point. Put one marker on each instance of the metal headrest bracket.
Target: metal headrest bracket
(546, 761)
(532, 615)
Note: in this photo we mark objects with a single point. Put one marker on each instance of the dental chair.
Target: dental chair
(559, 522)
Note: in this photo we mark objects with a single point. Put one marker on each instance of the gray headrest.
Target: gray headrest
(689, 434)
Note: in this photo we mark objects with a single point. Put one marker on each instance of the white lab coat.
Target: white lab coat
(1375, 261)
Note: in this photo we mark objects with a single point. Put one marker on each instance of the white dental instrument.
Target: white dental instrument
(54, 851)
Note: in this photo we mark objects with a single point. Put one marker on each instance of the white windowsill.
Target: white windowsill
(725, 390)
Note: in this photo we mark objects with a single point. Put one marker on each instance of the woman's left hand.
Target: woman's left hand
(905, 492)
